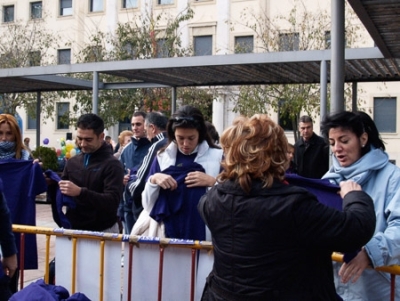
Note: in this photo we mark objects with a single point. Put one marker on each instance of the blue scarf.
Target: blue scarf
(7, 151)
(359, 171)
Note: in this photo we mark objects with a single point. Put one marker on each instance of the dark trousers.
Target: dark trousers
(5, 291)
(131, 215)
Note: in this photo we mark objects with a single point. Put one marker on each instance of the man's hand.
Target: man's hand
(126, 176)
(10, 265)
(69, 188)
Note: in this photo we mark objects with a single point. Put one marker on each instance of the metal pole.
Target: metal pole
(173, 100)
(324, 90)
(354, 97)
(337, 59)
(38, 110)
(95, 96)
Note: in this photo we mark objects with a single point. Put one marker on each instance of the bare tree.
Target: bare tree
(299, 30)
(25, 45)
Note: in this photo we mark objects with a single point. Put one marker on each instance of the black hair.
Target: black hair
(91, 122)
(158, 119)
(139, 113)
(189, 117)
(212, 131)
(305, 119)
(356, 122)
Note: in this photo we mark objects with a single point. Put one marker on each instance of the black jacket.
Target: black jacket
(102, 186)
(278, 242)
(313, 161)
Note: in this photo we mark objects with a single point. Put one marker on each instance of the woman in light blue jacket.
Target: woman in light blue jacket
(359, 155)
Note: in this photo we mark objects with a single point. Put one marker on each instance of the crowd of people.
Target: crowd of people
(177, 178)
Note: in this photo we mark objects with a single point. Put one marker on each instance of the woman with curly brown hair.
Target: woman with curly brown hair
(273, 241)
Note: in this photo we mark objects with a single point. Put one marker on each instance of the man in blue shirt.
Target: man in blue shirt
(131, 157)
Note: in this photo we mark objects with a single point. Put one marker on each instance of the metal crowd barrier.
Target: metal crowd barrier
(192, 246)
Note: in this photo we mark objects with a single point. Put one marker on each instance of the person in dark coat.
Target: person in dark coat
(8, 257)
(93, 178)
(311, 155)
(272, 240)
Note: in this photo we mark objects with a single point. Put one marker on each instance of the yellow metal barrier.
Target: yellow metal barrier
(136, 240)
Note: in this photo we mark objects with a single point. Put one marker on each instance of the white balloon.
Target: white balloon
(72, 152)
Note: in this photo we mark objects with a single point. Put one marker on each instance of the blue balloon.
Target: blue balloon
(46, 141)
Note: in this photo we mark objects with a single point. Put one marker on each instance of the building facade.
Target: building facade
(218, 27)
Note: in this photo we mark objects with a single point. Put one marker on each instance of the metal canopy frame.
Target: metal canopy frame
(361, 65)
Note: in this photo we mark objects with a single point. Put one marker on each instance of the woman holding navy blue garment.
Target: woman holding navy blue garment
(180, 174)
(11, 147)
(359, 155)
(274, 241)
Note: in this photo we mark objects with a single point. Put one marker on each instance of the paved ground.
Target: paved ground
(44, 218)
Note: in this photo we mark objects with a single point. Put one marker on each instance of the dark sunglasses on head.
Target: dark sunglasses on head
(179, 119)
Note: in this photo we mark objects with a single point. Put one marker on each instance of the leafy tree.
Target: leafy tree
(141, 38)
(23, 45)
(303, 30)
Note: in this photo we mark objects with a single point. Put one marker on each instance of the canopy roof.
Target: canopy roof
(381, 63)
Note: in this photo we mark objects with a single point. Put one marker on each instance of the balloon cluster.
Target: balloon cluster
(67, 150)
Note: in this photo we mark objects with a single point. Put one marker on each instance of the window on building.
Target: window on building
(36, 10)
(64, 56)
(65, 7)
(62, 115)
(244, 44)
(129, 3)
(93, 53)
(129, 52)
(31, 122)
(289, 42)
(162, 2)
(385, 114)
(34, 58)
(96, 5)
(327, 40)
(124, 125)
(202, 45)
(162, 48)
(284, 120)
(8, 13)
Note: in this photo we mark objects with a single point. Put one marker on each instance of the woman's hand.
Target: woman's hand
(10, 265)
(164, 181)
(353, 269)
(199, 179)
